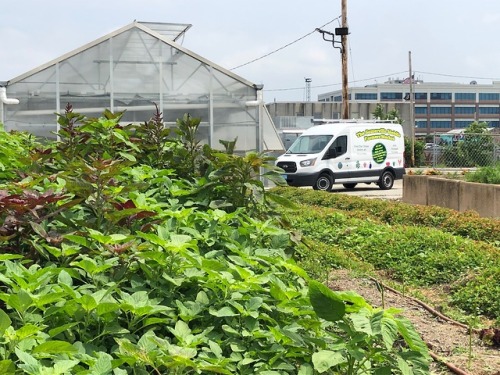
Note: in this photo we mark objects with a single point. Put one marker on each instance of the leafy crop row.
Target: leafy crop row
(464, 224)
(412, 254)
(138, 250)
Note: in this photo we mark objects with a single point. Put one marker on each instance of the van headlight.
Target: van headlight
(308, 162)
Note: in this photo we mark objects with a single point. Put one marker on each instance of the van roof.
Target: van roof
(353, 121)
(331, 128)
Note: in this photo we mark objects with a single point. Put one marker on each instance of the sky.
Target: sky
(449, 40)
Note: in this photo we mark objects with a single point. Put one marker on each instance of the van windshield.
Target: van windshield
(309, 144)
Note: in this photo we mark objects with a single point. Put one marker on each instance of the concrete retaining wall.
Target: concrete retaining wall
(454, 194)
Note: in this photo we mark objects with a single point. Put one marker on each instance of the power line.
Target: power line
(457, 76)
(283, 47)
(337, 84)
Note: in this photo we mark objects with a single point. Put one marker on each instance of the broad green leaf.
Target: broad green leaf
(181, 330)
(353, 301)
(202, 298)
(361, 323)
(83, 241)
(4, 257)
(103, 365)
(20, 301)
(254, 303)
(27, 330)
(127, 156)
(107, 307)
(403, 367)
(55, 347)
(223, 312)
(410, 335)
(4, 322)
(325, 302)
(65, 278)
(326, 359)
(62, 366)
(88, 302)
(29, 363)
(55, 331)
(7, 367)
(389, 331)
(306, 369)
(49, 299)
(215, 348)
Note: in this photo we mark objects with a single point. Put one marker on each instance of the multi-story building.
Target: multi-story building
(438, 107)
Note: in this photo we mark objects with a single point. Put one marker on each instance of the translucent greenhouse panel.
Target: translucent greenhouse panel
(86, 73)
(272, 140)
(235, 122)
(43, 126)
(136, 71)
(37, 104)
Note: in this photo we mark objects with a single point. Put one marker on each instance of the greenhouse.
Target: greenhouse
(134, 69)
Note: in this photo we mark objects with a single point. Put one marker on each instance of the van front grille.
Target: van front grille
(288, 166)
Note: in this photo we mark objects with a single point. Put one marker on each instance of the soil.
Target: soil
(448, 341)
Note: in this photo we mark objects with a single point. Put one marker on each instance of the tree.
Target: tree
(473, 149)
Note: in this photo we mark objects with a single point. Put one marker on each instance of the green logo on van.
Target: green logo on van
(379, 153)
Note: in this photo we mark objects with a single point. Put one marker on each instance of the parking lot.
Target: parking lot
(372, 191)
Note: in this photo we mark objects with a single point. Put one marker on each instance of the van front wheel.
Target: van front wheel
(324, 182)
(386, 181)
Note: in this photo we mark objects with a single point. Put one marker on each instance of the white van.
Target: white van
(346, 152)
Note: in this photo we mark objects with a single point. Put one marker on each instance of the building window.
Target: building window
(440, 95)
(420, 96)
(465, 110)
(391, 96)
(488, 97)
(365, 96)
(493, 124)
(421, 124)
(440, 110)
(470, 96)
(489, 110)
(420, 110)
(463, 123)
(440, 124)
(337, 98)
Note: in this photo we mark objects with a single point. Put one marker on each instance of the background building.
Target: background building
(131, 70)
(438, 107)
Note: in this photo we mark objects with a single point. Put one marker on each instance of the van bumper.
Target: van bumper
(299, 179)
(399, 173)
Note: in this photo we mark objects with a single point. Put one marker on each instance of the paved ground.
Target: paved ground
(372, 191)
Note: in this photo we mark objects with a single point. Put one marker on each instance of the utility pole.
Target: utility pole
(412, 119)
(342, 31)
(343, 51)
(308, 89)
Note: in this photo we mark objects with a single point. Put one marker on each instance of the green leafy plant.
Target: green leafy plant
(114, 261)
(375, 332)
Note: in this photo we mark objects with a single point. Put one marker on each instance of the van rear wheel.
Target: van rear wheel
(386, 181)
(324, 182)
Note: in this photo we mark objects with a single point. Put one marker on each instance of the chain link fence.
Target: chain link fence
(462, 150)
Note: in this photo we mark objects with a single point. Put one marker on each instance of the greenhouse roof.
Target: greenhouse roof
(169, 33)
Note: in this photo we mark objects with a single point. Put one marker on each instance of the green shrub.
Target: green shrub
(465, 224)
(479, 292)
(485, 175)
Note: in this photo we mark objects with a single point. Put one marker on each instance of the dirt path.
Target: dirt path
(446, 340)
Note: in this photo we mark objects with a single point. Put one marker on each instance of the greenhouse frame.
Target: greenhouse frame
(134, 69)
